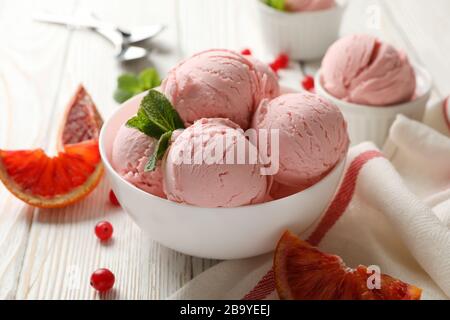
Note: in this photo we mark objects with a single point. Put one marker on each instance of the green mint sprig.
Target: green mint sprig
(129, 84)
(158, 119)
(277, 4)
(160, 150)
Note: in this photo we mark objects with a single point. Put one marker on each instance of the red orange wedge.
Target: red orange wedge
(302, 272)
(81, 121)
(54, 182)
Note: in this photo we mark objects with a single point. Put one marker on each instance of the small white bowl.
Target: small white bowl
(216, 233)
(372, 123)
(302, 35)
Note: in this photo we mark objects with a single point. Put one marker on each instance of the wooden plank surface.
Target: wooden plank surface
(425, 26)
(50, 254)
(30, 71)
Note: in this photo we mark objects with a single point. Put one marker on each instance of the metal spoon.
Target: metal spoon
(136, 34)
(120, 38)
(123, 51)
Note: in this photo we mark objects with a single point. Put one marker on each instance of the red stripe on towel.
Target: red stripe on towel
(336, 209)
(342, 198)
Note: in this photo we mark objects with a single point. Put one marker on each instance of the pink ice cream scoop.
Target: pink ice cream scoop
(201, 167)
(130, 154)
(213, 84)
(312, 136)
(361, 69)
(269, 86)
(308, 5)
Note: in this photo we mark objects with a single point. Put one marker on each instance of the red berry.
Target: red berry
(113, 199)
(275, 66)
(246, 52)
(308, 83)
(102, 280)
(104, 230)
(283, 60)
(280, 62)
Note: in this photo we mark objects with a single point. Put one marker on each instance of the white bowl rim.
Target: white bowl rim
(420, 72)
(340, 5)
(339, 166)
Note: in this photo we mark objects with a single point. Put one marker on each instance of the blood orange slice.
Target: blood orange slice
(81, 122)
(54, 182)
(47, 182)
(302, 272)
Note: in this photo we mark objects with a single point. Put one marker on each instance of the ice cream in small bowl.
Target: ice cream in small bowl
(372, 82)
(303, 29)
(222, 206)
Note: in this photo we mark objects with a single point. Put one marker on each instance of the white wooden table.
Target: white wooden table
(50, 254)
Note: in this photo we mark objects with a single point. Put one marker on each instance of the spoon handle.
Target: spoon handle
(106, 30)
(70, 21)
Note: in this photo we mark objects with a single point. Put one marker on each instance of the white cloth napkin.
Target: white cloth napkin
(391, 211)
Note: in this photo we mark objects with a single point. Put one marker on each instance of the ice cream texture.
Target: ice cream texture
(313, 136)
(213, 181)
(269, 86)
(213, 84)
(130, 153)
(308, 5)
(363, 70)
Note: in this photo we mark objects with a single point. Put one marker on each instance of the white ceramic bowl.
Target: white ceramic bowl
(217, 233)
(371, 123)
(302, 35)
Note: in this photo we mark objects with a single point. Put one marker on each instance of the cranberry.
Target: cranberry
(104, 230)
(246, 52)
(308, 83)
(113, 199)
(282, 60)
(275, 66)
(102, 280)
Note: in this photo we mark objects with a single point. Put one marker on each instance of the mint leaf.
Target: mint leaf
(129, 84)
(160, 150)
(149, 79)
(160, 111)
(121, 95)
(155, 116)
(142, 123)
(277, 4)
